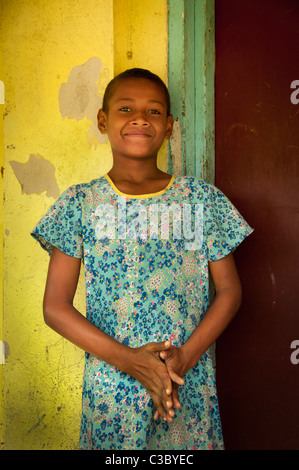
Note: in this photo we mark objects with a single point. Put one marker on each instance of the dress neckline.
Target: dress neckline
(140, 196)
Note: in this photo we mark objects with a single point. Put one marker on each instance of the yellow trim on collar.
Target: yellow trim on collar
(139, 196)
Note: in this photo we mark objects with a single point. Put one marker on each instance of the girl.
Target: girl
(149, 380)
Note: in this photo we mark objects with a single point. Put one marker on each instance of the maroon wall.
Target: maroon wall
(257, 154)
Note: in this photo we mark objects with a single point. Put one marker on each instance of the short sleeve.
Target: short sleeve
(61, 225)
(225, 228)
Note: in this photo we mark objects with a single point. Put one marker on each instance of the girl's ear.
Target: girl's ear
(169, 127)
(102, 122)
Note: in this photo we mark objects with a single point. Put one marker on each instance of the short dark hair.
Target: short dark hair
(134, 73)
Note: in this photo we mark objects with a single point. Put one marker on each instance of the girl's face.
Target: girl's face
(136, 122)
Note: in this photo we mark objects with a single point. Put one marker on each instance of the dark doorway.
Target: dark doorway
(257, 155)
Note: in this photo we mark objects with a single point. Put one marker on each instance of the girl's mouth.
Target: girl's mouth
(138, 134)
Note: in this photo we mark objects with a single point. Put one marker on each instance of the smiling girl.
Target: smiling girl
(141, 390)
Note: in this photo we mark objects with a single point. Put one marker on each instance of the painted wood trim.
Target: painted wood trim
(191, 81)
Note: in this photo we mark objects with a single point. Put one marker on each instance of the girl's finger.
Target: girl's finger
(164, 355)
(158, 347)
(166, 415)
(175, 377)
(175, 396)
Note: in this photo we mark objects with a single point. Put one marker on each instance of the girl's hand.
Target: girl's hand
(145, 365)
(176, 364)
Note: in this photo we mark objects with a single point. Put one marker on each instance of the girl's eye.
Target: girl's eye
(125, 109)
(154, 111)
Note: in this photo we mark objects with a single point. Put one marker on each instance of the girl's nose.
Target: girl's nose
(140, 120)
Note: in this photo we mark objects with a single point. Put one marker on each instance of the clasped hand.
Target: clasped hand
(160, 368)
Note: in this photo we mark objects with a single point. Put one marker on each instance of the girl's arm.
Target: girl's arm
(226, 304)
(59, 313)
(218, 316)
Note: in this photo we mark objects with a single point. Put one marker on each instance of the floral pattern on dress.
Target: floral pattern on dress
(142, 287)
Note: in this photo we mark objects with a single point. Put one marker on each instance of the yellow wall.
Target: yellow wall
(141, 40)
(55, 55)
(1, 231)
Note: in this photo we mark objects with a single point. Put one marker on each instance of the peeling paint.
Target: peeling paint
(2, 92)
(6, 349)
(36, 176)
(2, 353)
(176, 148)
(78, 97)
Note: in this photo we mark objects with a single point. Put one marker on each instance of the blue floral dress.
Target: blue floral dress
(147, 279)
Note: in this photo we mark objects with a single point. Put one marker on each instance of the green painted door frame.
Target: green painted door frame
(191, 79)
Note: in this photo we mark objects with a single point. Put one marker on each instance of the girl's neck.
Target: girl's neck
(139, 179)
(137, 173)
